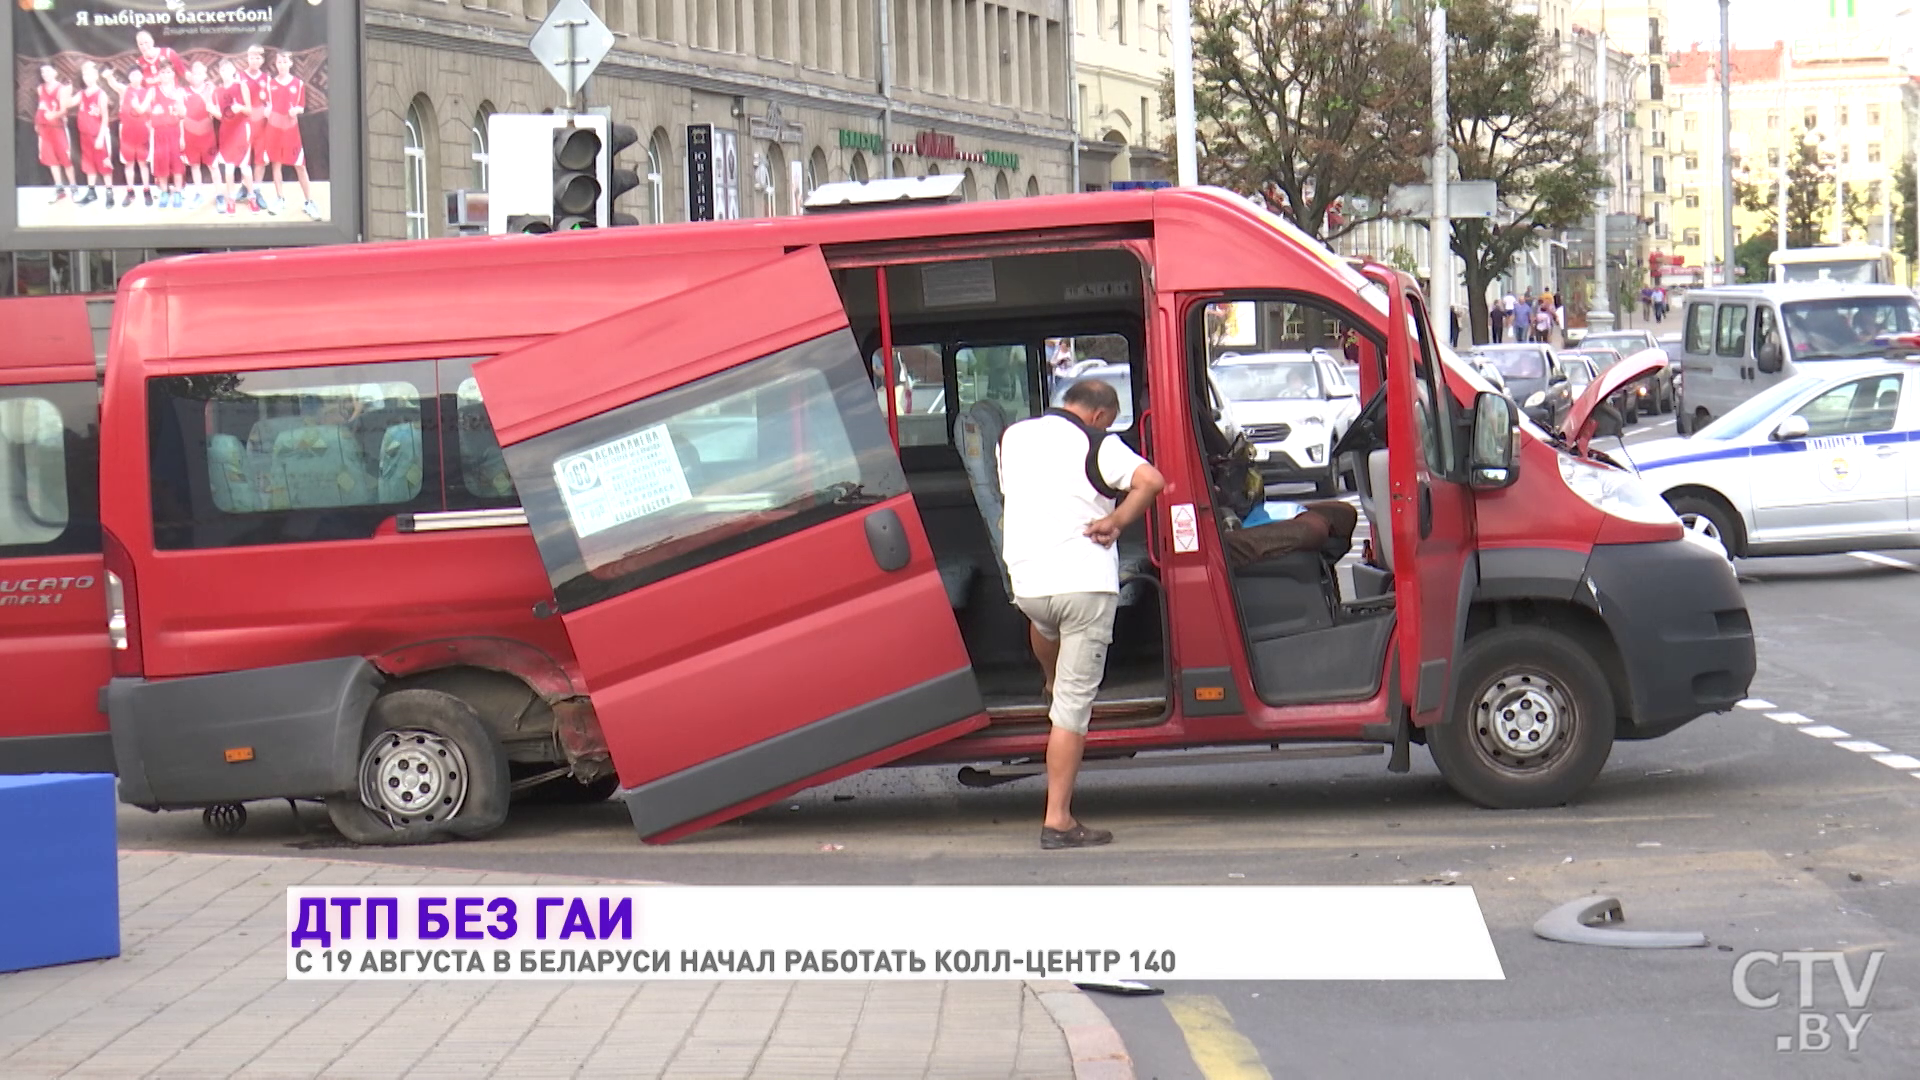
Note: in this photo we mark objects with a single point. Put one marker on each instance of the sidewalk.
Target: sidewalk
(200, 992)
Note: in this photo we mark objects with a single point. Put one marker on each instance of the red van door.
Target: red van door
(1433, 535)
(745, 580)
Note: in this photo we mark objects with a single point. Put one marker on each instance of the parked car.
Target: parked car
(1293, 407)
(1572, 374)
(1655, 392)
(1818, 462)
(1626, 399)
(1525, 367)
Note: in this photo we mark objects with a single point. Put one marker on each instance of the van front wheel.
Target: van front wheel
(1532, 722)
(429, 770)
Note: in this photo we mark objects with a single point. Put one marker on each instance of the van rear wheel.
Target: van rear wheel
(1532, 722)
(429, 770)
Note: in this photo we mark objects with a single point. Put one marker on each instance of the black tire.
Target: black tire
(1633, 414)
(1713, 517)
(1326, 487)
(1572, 716)
(434, 736)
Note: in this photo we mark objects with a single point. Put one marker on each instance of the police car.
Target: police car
(1819, 462)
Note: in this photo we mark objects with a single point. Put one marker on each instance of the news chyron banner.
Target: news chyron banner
(186, 122)
(1104, 933)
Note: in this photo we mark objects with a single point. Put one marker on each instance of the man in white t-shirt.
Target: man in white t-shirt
(1062, 514)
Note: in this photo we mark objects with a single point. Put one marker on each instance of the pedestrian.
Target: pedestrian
(1543, 323)
(1659, 304)
(1523, 317)
(1067, 493)
(1453, 327)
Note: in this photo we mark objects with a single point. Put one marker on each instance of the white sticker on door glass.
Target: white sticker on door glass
(631, 477)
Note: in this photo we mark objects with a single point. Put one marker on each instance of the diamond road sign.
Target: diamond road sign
(570, 44)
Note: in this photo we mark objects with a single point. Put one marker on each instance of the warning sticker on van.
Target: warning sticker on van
(614, 483)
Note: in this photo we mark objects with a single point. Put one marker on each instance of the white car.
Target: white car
(1292, 407)
(1819, 462)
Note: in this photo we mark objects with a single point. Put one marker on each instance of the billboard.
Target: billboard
(182, 123)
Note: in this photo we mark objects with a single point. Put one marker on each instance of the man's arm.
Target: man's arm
(1144, 486)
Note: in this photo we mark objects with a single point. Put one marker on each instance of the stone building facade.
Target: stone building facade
(974, 87)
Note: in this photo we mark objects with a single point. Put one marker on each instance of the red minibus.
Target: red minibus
(53, 654)
(411, 527)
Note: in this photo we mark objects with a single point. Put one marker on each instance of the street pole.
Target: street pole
(1440, 226)
(1600, 313)
(886, 88)
(1183, 93)
(1780, 234)
(1726, 146)
(1074, 118)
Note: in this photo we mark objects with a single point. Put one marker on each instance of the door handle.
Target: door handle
(887, 539)
(1426, 510)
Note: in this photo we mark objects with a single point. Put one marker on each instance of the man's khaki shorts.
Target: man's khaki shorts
(1083, 625)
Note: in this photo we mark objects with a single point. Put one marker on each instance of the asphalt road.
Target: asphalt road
(1789, 825)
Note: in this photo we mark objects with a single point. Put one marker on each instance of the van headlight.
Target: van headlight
(1620, 494)
(1538, 397)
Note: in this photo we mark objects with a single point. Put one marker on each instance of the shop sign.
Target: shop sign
(862, 140)
(932, 144)
(1000, 159)
(775, 127)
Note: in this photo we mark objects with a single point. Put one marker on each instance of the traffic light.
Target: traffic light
(529, 223)
(576, 177)
(617, 179)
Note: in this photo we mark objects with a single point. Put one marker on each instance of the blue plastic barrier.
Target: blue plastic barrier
(59, 870)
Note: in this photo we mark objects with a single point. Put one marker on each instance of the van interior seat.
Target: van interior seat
(229, 476)
(1374, 491)
(980, 428)
(400, 463)
(316, 466)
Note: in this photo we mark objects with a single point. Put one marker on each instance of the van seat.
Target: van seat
(229, 476)
(318, 466)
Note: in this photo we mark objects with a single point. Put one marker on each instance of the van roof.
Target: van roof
(450, 289)
(46, 334)
(1798, 290)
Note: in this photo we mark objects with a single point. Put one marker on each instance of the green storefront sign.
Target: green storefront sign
(1000, 159)
(861, 140)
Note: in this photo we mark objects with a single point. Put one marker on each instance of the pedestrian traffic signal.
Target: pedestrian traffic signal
(576, 177)
(617, 180)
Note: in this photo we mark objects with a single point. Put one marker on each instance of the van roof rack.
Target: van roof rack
(878, 194)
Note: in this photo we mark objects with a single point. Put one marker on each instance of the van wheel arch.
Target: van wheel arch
(1572, 620)
(429, 748)
(526, 722)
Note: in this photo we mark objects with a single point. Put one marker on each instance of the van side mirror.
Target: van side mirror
(1793, 427)
(1493, 458)
(1770, 357)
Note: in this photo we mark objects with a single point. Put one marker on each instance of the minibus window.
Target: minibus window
(33, 472)
(919, 393)
(1700, 329)
(266, 457)
(1732, 332)
(996, 373)
(1106, 357)
(672, 482)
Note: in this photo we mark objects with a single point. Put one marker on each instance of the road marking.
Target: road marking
(1884, 560)
(1757, 704)
(1789, 718)
(1821, 731)
(1217, 1047)
(1897, 761)
(1862, 746)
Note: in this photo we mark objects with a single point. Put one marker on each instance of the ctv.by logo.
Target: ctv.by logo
(1812, 1032)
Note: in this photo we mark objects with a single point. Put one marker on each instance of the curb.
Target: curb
(1098, 1052)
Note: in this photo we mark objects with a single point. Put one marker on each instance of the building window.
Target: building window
(480, 144)
(1773, 156)
(1690, 237)
(1773, 119)
(1693, 163)
(416, 165)
(857, 171)
(1811, 119)
(1873, 153)
(1873, 116)
(1688, 123)
(1844, 116)
(1873, 193)
(1846, 154)
(1693, 202)
(657, 178)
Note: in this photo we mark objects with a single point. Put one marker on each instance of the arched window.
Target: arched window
(773, 186)
(969, 190)
(479, 130)
(657, 177)
(858, 170)
(899, 167)
(1033, 186)
(1002, 189)
(816, 169)
(415, 152)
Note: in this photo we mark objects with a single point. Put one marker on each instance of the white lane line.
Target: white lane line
(1897, 761)
(1862, 746)
(1884, 560)
(1821, 731)
(1789, 718)
(1756, 704)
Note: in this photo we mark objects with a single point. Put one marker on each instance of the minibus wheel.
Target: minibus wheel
(1532, 721)
(429, 770)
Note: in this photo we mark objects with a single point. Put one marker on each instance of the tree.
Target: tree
(1306, 103)
(1906, 220)
(1513, 120)
(1810, 181)
(1750, 255)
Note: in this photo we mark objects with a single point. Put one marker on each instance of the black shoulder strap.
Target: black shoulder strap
(1094, 439)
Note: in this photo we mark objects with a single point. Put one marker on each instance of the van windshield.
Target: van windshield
(1845, 327)
(1845, 271)
(1749, 413)
(1273, 381)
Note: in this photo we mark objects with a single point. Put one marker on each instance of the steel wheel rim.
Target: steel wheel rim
(1523, 721)
(413, 776)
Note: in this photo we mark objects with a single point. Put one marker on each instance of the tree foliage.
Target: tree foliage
(1906, 213)
(1307, 102)
(1810, 181)
(1514, 120)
